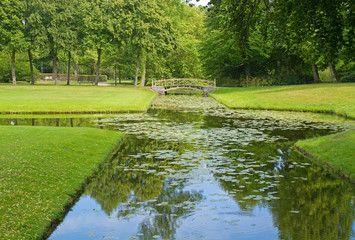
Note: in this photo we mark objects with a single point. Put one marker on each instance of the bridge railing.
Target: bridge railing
(183, 82)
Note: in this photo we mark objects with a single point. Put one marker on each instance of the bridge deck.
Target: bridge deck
(184, 82)
(162, 86)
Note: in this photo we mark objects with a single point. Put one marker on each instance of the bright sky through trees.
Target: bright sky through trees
(201, 2)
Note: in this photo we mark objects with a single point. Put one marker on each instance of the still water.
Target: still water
(204, 172)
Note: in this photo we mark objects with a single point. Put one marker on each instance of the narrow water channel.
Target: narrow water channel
(204, 172)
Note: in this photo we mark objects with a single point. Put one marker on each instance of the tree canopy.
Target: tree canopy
(246, 42)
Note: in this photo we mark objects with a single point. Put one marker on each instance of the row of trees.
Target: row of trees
(162, 33)
(235, 42)
(259, 37)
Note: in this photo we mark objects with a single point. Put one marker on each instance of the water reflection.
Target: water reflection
(214, 174)
(313, 204)
(50, 121)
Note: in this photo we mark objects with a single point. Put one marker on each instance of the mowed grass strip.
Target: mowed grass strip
(327, 98)
(73, 99)
(337, 150)
(42, 170)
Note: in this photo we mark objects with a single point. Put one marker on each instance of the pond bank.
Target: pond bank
(336, 99)
(336, 151)
(43, 169)
(73, 99)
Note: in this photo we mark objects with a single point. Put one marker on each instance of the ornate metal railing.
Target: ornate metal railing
(183, 82)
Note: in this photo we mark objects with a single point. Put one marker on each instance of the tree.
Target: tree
(187, 23)
(58, 20)
(147, 27)
(320, 23)
(11, 30)
(236, 39)
(33, 30)
(98, 28)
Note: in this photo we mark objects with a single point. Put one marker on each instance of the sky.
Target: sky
(201, 2)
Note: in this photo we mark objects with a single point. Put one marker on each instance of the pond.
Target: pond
(204, 172)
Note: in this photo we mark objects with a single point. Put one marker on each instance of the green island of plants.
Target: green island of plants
(73, 99)
(42, 170)
(324, 98)
(335, 150)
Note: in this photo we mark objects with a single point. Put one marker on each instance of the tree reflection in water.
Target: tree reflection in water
(125, 186)
(307, 203)
(219, 174)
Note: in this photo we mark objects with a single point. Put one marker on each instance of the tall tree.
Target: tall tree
(148, 28)
(187, 21)
(33, 30)
(57, 20)
(320, 23)
(11, 30)
(98, 28)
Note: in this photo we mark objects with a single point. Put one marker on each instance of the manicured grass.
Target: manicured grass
(338, 150)
(42, 170)
(73, 99)
(329, 98)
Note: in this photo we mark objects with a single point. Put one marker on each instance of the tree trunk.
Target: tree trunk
(247, 70)
(143, 75)
(334, 72)
(137, 70)
(69, 58)
(41, 67)
(76, 71)
(13, 68)
(119, 74)
(279, 72)
(55, 69)
(97, 78)
(315, 73)
(31, 67)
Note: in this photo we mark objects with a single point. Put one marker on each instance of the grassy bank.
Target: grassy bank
(42, 170)
(327, 98)
(73, 99)
(336, 150)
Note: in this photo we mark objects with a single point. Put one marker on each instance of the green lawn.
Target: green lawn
(338, 150)
(73, 99)
(42, 170)
(328, 98)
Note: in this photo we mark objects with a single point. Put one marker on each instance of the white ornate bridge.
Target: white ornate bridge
(164, 85)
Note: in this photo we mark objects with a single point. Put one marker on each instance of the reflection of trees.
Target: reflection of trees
(115, 185)
(61, 122)
(298, 134)
(164, 221)
(124, 185)
(319, 208)
(313, 204)
(254, 167)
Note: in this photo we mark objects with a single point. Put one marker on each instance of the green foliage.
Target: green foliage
(22, 68)
(346, 71)
(241, 47)
(184, 60)
(316, 30)
(42, 177)
(97, 24)
(11, 27)
(232, 41)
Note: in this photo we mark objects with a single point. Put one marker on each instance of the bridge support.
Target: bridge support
(159, 90)
(207, 90)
